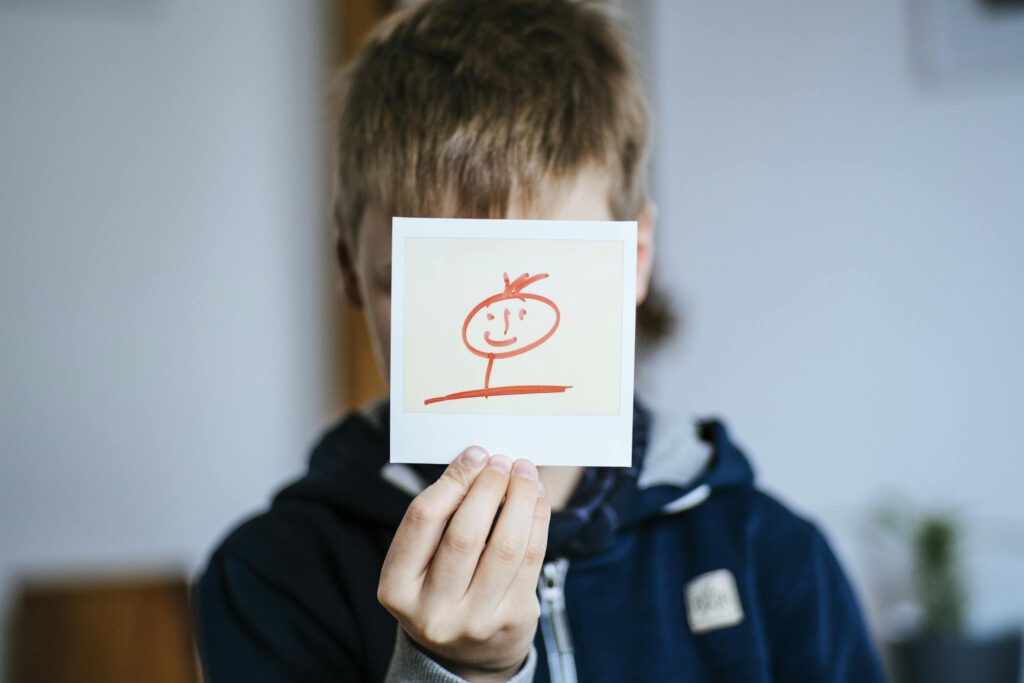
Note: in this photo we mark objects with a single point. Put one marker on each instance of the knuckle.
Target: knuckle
(461, 541)
(523, 613)
(390, 599)
(478, 631)
(457, 475)
(420, 511)
(434, 631)
(506, 550)
(509, 628)
(534, 555)
(493, 485)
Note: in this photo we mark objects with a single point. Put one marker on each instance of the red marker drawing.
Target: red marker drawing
(497, 316)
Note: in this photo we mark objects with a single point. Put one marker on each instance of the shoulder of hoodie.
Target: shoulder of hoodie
(782, 557)
(300, 569)
(303, 537)
(798, 574)
(774, 531)
(742, 520)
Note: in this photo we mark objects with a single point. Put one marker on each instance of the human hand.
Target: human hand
(463, 592)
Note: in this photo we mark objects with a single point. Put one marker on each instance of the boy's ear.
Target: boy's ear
(349, 279)
(644, 249)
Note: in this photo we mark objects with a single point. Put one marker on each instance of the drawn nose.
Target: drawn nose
(506, 322)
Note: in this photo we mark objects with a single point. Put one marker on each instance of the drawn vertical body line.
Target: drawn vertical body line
(506, 346)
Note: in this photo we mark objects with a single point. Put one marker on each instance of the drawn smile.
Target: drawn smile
(499, 342)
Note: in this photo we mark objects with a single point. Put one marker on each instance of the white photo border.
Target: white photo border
(584, 440)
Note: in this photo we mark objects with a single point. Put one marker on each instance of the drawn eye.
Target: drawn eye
(490, 316)
(522, 313)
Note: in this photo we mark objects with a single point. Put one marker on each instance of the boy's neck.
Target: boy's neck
(560, 482)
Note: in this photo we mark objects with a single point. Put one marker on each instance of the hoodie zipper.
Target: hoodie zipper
(554, 624)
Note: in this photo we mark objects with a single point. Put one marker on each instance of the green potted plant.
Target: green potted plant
(940, 649)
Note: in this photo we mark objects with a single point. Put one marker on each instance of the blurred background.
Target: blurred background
(841, 233)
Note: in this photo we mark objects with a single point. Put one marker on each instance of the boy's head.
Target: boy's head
(501, 109)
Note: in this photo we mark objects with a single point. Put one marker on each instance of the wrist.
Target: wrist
(469, 672)
(476, 675)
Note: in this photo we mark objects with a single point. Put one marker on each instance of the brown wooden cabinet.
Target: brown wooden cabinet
(111, 630)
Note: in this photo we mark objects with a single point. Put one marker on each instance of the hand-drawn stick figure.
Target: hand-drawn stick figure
(506, 346)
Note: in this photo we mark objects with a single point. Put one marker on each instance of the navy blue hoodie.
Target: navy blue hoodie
(706, 579)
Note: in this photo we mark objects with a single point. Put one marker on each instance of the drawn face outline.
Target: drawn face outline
(507, 295)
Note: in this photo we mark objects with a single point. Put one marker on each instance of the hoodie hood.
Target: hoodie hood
(684, 463)
(685, 469)
(345, 473)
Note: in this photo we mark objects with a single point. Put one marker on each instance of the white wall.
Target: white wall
(847, 246)
(163, 274)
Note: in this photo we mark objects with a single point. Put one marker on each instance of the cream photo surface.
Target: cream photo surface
(511, 326)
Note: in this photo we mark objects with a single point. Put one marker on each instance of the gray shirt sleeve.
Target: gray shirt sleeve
(409, 664)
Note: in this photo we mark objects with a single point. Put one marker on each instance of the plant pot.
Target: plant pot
(936, 658)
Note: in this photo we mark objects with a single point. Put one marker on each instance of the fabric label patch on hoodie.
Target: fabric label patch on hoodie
(713, 601)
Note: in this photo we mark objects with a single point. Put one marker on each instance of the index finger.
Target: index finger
(424, 522)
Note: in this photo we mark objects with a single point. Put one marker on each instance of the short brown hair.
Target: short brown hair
(469, 103)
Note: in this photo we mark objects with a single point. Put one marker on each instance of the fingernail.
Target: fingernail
(473, 457)
(501, 463)
(525, 469)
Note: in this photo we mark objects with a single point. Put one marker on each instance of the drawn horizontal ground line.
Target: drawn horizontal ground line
(501, 391)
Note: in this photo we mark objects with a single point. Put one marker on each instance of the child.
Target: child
(675, 569)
